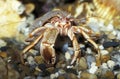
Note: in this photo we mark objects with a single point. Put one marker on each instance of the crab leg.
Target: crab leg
(37, 30)
(98, 59)
(29, 47)
(32, 44)
(76, 47)
(91, 41)
(86, 30)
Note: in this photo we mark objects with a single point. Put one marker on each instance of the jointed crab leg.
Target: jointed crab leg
(86, 30)
(32, 44)
(75, 45)
(95, 45)
(37, 30)
(91, 41)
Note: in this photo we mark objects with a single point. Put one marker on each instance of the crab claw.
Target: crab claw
(48, 53)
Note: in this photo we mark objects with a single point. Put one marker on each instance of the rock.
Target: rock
(104, 52)
(86, 75)
(12, 74)
(50, 69)
(3, 54)
(67, 56)
(2, 43)
(110, 27)
(111, 36)
(118, 76)
(61, 71)
(110, 49)
(105, 58)
(90, 59)
(104, 66)
(116, 57)
(101, 47)
(81, 64)
(110, 44)
(116, 67)
(30, 60)
(53, 76)
(93, 68)
(33, 52)
(61, 77)
(89, 51)
(111, 64)
(118, 35)
(29, 77)
(72, 76)
(3, 69)
(39, 59)
(108, 75)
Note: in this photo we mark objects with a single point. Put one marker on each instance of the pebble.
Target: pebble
(61, 77)
(90, 59)
(110, 27)
(110, 63)
(30, 60)
(118, 76)
(111, 36)
(39, 59)
(50, 69)
(61, 64)
(101, 47)
(93, 24)
(33, 52)
(3, 69)
(54, 76)
(104, 52)
(61, 71)
(13, 74)
(116, 67)
(110, 44)
(72, 76)
(89, 51)
(105, 58)
(108, 75)
(93, 68)
(118, 35)
(2, 43)
(67, 56)
(116, 57)
(110, 49)
(104, 66)
(86, 75)
(82, 64)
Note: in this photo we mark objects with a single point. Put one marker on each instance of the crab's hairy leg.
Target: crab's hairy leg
(85, 35)
(89, 32)
(37, 30)
(32, 44)
(76, 47)
(91, 41)
(86, 30)
(98, 59)
(46, 47)
(29, 47)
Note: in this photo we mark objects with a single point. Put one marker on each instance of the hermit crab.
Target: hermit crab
(46, 29)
